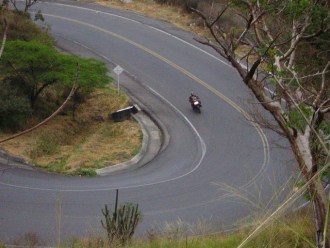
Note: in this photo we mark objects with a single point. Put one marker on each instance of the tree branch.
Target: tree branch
(38, 91)
(297, 32)
(211, 28)
(322, 30)
(219, 15)
(326, 110)
(247, 28)
(29, 3)
(323, 86)
(210, 44)
(17, 72)
(14, 4)
(4, 39)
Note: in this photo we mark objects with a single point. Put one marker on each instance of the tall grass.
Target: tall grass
(295, 231)
(290, 231)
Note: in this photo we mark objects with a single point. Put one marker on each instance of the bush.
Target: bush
(22, 28)
(14, 107)
(46, 145)
(84, 172)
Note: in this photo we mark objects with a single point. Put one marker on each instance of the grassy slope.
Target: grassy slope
(92, 139)
(168, 13)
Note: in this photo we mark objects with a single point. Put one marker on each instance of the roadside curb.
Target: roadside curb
(11, 160)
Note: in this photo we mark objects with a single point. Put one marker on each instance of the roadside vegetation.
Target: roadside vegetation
(35, 80)
(176, 12)
(294, 230)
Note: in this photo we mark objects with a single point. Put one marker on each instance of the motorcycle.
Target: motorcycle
(196, 104)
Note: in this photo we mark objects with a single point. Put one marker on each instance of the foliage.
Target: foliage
(295, 119)
(33, 67)
(93, 73)
(14, 107)
(86, 172)
(122, 222)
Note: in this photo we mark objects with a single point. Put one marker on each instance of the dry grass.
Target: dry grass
(172, 14)
(290, 231)
(88, 142)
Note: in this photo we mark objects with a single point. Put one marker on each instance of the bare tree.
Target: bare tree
(287, 45)
(28, 4)
(4, 3)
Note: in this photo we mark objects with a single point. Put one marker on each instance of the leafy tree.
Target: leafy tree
(14, 107)
(33, 67)
(35, 74)
(288, 52)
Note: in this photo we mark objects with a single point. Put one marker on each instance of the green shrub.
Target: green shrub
(14, 107)
(84, 172)
(45, 145)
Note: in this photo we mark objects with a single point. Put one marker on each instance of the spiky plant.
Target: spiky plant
(121, 223)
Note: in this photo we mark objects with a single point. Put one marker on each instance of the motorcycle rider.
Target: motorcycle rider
(193, 98)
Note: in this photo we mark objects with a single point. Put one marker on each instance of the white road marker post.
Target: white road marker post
(118, 70)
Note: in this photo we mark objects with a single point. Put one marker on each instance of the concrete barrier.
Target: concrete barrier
(124, 114)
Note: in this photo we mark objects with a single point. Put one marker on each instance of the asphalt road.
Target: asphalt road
(203, 152)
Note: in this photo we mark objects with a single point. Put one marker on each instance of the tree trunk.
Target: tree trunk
(320, 208)
(319, 199)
